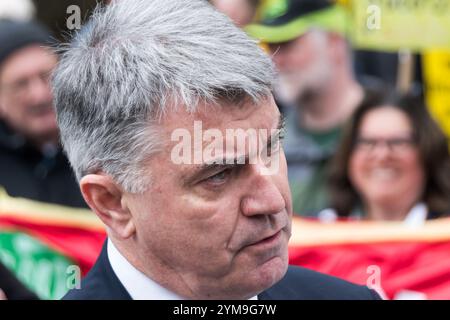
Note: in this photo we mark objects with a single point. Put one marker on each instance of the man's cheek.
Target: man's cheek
(196, 207)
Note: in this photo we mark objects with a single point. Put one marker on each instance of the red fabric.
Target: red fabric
(415, 266)
(422, 267)
(78, 244)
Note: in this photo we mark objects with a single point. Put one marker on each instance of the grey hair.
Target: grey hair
(130, 63)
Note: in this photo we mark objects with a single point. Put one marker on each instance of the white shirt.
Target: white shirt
(138, 285)
(415, 218)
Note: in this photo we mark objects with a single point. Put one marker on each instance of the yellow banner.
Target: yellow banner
(390, 25)
(436, 72)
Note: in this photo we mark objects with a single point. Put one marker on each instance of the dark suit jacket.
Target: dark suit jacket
(101, 283)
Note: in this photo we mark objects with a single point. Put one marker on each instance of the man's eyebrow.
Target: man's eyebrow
(281, 122)
(223, 162)
(220, 163)
(280, 130)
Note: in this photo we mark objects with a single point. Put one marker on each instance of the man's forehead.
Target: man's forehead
(26, 61)
(263, 114)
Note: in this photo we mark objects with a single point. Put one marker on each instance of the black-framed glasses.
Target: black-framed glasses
(394, 144)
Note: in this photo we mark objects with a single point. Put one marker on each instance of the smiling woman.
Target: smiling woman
(393, 163)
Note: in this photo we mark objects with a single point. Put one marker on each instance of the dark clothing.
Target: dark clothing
(29, 173)
(298, 284)
(304, 284)
(13, 289)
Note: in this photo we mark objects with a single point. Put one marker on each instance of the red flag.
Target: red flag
(402, 262)
(41, 242)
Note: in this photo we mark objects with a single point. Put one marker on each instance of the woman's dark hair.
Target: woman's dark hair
(431, 143)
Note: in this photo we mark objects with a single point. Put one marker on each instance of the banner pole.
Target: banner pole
(405, 70)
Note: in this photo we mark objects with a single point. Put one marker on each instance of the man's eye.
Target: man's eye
(219, 178)
(275, 145)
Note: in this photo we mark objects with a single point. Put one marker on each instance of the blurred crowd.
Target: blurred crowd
(356, 148)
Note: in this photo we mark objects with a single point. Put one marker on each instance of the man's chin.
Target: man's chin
(270, 272)
(248, 285)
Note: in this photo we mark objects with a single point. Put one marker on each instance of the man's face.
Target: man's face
(25, 94)
(222, 229)
(303, 65)
(240, 11)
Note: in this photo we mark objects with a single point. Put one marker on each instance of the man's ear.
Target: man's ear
(104, 197)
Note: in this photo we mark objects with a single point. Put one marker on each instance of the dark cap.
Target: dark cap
(285, 20)
(15, 35)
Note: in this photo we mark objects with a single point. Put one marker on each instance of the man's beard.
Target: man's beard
(295, 86)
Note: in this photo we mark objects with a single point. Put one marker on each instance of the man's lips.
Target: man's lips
(269, 240)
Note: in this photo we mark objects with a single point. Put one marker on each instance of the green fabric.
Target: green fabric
(325, 140)
(273, 9)
(40, 268)
(310, 196)
(332, 19)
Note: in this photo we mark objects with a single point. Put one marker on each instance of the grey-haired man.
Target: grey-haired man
(217, 228)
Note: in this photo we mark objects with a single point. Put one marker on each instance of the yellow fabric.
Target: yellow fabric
(436, 72)
(413, 25)
(48, 214)
(307, 232)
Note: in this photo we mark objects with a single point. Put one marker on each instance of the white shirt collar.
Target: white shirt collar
(416, 216)
(138, 285)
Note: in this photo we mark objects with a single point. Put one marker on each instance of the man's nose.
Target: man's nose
(264, 196)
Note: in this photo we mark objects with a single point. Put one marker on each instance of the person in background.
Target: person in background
(32, 164)
(241, 12)
(317, 89)
(393, 163)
